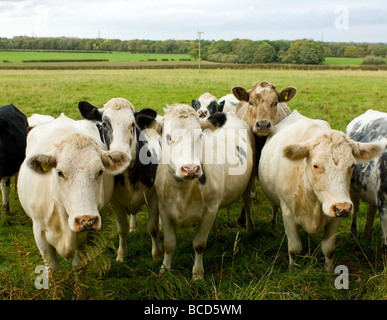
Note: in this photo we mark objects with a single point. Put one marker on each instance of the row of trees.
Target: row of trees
(234, 51)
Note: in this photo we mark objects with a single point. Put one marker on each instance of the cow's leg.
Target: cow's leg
(383, 224)
(328, 242)
(371, 212)
(45, 249)
(354, 226)
(200, 242)
(133, 223)
(291, 230)
(169, 228)
(246, 198)
(274, 215)
(5, 189)
(123, 229)
(153, 227)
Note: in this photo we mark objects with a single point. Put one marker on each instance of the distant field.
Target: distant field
(334, 61)
(19, 56)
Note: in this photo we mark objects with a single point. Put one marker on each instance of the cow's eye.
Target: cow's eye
(316, 167)
(276, 103)
(251, 102)
(60, 174)
(100, 173)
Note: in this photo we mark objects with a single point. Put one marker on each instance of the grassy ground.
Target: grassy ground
(334, 61)
(238, 265)
(19, 56)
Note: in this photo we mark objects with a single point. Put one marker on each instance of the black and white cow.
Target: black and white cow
(369, 181)
(120, 131)
(13, 136)
(207, 105)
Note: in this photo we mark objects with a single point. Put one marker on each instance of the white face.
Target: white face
(329, 171)
(182, 147)
(79, 174)
(119, 131)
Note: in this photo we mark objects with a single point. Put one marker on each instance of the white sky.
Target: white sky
(347, 21)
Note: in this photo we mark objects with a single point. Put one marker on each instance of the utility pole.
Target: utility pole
(199, 36)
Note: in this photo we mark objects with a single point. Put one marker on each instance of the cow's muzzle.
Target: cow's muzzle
(86, 223)
(190, 171)
(263, 128)
(341, 210)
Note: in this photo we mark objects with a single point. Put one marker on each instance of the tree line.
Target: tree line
(302, 51)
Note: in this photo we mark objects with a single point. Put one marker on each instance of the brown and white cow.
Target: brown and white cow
(262, 107)
(121, 127)
(306, 169)
(200, 171)
(66, 178)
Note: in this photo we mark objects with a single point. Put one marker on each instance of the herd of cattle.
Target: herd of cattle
(187, 164)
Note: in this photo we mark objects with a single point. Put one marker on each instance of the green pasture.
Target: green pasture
(340, 61)
(115, 56)
(238, 265)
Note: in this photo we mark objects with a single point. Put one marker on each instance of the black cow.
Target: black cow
(13, 136)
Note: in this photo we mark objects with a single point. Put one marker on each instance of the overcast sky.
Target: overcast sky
(349, 21)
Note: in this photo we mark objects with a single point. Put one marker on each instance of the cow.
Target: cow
(196, 177)
(66, 178)
(121, 127)
(305, 169)
(369, 181)
(39, 119)
(230, 103)
(207, 105)
(13, 135)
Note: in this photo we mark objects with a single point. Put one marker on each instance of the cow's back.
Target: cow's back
(13, 133)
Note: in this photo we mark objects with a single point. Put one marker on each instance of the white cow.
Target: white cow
(305, 168)
(135, 186)
(200, 171)
(66, 178)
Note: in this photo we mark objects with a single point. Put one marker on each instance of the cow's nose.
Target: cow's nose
(86, 223)
(343, 209)
(202, 114)
(263, 125)
(190, 171)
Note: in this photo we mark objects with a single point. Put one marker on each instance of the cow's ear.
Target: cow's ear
(295, 151)
(42, 163)
(214, 121)
(287, 94)
(145, 118)
(364, 152)
(240, 93)
(89, 112)
(221, 106)
(115, 162)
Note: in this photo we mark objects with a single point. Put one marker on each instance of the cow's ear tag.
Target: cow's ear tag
(286, 96)
(45, 167)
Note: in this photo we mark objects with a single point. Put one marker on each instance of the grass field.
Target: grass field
(237, 265)
(116, 56)
(334, 61)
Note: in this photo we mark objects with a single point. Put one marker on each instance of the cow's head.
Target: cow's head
(182, 140)
(207, 105)
(329, 161)
(118, 123)
(78, 165)
(263, 106)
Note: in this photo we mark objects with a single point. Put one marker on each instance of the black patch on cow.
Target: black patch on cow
(140, 172)
(370, 132)
(382, 192)
(13, 136)
(195, 104)
(107, 131)
(203, 178)
(218, 119)
(213, 107)
(241, 154)
(119, 179)
(145, 117)
(259, 143)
